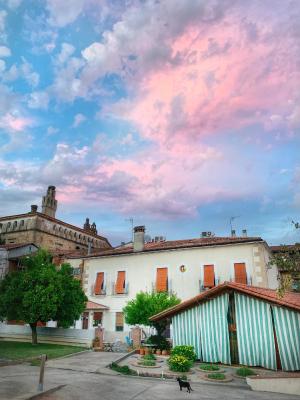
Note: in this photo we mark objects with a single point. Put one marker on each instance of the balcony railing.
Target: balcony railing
(125, 290)
(102, 291)
(202, 288)
(169, 287)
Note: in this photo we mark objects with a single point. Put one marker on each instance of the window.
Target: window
(240, 275)
(162, 279)
(120, 284)
(97, 318)
(208, 276)
(99, 284)
(119, 322)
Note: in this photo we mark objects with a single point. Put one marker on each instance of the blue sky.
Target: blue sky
(178, 114)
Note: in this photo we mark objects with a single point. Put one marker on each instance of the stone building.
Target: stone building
(43, 229)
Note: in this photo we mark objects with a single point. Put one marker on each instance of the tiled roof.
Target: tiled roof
(290, 299)
(58, 221)
(11, 246)
(285, 247)
(177, 244)
(90, 305)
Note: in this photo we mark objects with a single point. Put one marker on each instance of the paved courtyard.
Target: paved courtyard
(82, 378)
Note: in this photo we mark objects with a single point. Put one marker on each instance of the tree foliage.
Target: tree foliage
(40, 292)
(145, 305)
(287, 260)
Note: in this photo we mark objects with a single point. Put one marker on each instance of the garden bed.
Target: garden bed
(227, 378)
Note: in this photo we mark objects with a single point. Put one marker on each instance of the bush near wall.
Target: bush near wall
(185, 351)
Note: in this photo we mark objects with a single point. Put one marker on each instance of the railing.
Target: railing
(125, 290)
(169, 287)
(202, 288)
(102, 291)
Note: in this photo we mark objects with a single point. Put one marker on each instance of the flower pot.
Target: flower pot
(164, 352)
(142, 352)
(158, 352)
(147, 351)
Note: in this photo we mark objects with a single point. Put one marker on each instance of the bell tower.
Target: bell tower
(49, 204)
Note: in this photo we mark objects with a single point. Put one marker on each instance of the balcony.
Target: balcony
(202, 288)
(102, 291)
(169, 287)
(125, 289)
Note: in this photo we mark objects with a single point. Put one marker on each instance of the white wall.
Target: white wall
(141, 273)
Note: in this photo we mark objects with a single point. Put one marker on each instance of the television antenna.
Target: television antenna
(131, 222)
(231, 221)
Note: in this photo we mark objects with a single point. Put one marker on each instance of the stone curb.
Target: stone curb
(123, 357)
(49, 391)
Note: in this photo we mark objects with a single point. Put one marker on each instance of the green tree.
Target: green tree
(287, 260)
(145, 305)
(40, 292)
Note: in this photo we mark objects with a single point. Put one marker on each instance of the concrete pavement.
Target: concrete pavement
(83, 382)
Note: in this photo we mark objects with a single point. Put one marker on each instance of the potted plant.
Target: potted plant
(158, 352)
(142, 351)
(147, 351)
(164, 352)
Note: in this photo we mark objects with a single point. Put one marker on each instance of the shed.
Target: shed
(239, 324)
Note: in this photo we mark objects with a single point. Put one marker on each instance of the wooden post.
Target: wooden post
(42, 370)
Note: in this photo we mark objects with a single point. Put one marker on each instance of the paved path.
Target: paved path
(20, 382)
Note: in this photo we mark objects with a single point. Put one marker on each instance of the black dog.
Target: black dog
(184, 384)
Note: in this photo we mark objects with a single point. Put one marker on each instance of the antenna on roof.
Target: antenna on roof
(232, 231)
(131, 222)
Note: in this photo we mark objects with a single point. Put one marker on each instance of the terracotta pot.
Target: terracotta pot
(158, 352)
(147, 351)
(142, 352)
(164, 352)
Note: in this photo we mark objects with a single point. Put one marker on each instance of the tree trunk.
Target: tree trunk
(33, 333)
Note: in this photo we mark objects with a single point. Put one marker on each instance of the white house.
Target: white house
(186, 267)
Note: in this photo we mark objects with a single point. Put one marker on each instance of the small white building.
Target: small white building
(186, 267)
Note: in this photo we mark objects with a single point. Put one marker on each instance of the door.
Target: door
(85, 320)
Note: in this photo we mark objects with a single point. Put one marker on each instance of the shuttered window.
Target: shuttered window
(208, 276)
(99, 283)
(119, 321)
(120, 284)
(240, 275)
(162, 279)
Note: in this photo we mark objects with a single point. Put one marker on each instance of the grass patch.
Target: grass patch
(122, 370)
(244, 371)
(217, 376)
(209, 367)
(23, 351)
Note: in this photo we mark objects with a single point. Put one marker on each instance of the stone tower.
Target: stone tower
(49, 204)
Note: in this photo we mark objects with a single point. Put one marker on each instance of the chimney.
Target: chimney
(34, 208)
(233, 234)
(138, 238)
(244, 232)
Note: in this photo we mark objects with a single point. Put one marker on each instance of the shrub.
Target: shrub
(179, 363)
(159, 342)
(217, 376)
(185, 351)
(149, 357)
(122, 369)
(148, 363)
(244, 371)
(209, 367)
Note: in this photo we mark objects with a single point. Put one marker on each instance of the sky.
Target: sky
(179, 114)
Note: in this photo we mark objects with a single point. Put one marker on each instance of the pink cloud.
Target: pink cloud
(12, 123)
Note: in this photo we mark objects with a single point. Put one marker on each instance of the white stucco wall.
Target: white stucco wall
(141, 273)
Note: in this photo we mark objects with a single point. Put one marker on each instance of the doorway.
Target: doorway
(233, 343)
(85, 320)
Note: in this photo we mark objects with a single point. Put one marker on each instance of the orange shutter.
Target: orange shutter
(162, 279)
(240, 275)
(99, 282)
(120, 284)
(209, 276)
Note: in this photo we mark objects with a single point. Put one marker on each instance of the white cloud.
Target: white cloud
(13, 4)
(38, 100)
(2, 66)
(28, 74)
(5, 51)
(78, 119)
(66, 51)
(3, 15)
(52, 131)
(64, 12)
